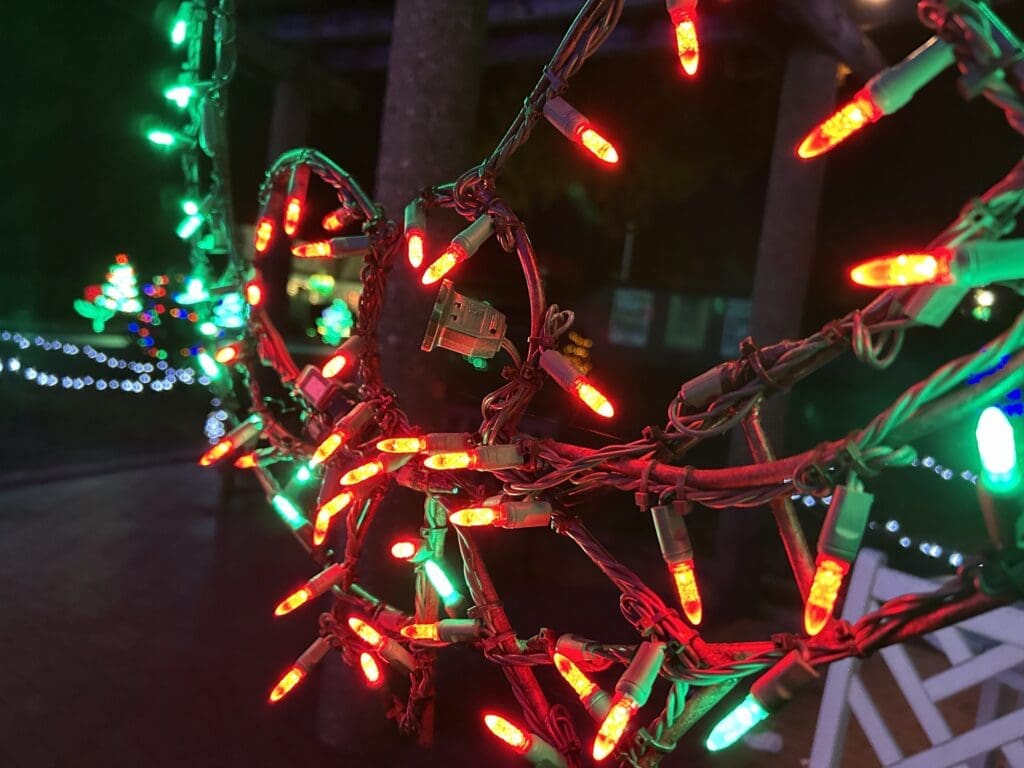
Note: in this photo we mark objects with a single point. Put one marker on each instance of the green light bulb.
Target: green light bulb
(998, 451)
(180, 95)
(734, 725)
(287, 511)
(208, 364)
(188, 227)
(161, 138)
(208, 328)
(440, 581)
(190, 207)
(303, 475)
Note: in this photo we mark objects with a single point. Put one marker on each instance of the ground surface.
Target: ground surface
(136, 625)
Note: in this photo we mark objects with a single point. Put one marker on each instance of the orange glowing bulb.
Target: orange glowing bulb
(593, 398)
(247, 461)
(292, 214)
(335, 220)
(362, 472)
(687, 44)
(403, 550)
(686, 588)
(226, 355)
(326, 513)
(402, 445)
(291, 678)
(828, 578)
(371, 669)
(597, 145)
(414, 241)
(474, 516)
(318, 249)
(253, 293)
(420, 632)
(293, 601)
(216, 453)
(450, 460)
(614, 725)
(264, 233)
(508, 733)
(444, 264)
(840, 126)
(904, 269)
(366, 633)
(334, 365)
(327, 448)
(574, 676)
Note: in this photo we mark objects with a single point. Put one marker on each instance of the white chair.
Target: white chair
(987, 650)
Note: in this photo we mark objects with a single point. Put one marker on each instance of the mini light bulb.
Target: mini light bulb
(334, 365)
(247, 461)
(904, 269)
(362, 473)
(344, 358)
(414, 242)
(227, 354)
(420, 632)
(558, 367)
(684, 19)
(614, 726)
(236, 438)
(365, 632)
(689, 594)
(216, 453)
(597, 145)
(337, 220)
(450, 460)
(828, 578)
(840, 126)
(316, 586)
(264, 234)
(402, 445)
(370, 669)
(574, 676)
(297, 598)
(444, 264)
(291, 678)
(441, 583)
(733, 726)
(593, 399)
(318, 249)
(404, 549)
(253, 293)
(510, 734)
(474, 516)
(300, 669)
(288, 511)
(326, 513)
(997, 449)
(179, 95)
(327, 448)
(292, 215)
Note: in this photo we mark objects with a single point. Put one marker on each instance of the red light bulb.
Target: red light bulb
(415, 243)
(292, 215)
(264, 234)
(904, 269)
(841, 125)
(828, 579)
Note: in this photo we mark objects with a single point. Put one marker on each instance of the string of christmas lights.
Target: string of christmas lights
(355, 444)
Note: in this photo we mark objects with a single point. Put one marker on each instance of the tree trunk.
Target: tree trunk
(784, 258)
(429, 112)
